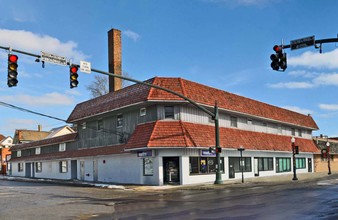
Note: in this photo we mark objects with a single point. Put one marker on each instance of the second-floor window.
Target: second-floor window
(62, 147)
(293, 132)
(143, 111)
(300, 133)
(18, 153)
(84, 125)
(169, 112)
(100, 124)
(119, 121)
(37, 150)
(233, 121)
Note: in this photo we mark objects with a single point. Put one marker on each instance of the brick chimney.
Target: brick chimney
(114, 59)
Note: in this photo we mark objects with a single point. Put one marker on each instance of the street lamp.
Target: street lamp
(241, 164)
(294, 157)
(328, 156)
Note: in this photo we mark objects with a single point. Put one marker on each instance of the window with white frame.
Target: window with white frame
(143, 111)
(233, 121)
(20, 167)
(38, 150)
(62, 147)
(18, 153)
(119, 121)
(63, 166)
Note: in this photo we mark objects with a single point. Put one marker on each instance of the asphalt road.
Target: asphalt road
(294, 200)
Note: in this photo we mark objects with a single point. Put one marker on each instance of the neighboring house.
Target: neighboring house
(55, 132)
(5, 154)
(142, 135)
(328, 148)
(25, 136)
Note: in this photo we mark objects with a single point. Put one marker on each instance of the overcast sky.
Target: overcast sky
(221, 43)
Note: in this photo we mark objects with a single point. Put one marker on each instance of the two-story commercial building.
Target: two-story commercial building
(143, 135)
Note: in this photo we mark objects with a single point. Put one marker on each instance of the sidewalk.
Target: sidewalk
(270, 180)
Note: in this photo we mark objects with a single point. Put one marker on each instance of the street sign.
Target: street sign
(302, 42)
(51, 58)
(85, 67)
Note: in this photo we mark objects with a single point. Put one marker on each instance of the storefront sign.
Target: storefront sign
(207, 153)
(146, 153)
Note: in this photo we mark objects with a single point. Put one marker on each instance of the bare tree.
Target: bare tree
(100, 86)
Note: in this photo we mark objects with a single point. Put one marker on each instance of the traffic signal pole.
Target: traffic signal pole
(321, 41)
(278, 59)
(213, 115)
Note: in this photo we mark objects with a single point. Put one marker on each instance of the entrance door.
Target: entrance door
(28, 170)
(95, 170)
(73, 165)
(171, 168)
(231, 169)
(256, 165)
(82, 170)
(309, 165)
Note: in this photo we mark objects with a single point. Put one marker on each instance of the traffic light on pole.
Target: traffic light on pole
(278, 59)
(296, 149)
(12, 70)
(73, 76)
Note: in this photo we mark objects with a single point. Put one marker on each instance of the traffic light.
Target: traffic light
(218, 150)
(278, 59)
(73, 76)
(296, 149)
(12, 70)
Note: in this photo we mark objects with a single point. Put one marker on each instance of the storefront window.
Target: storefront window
(283, 164)
(265, 163)
(204, 165)
(235, 162)
(300, 163)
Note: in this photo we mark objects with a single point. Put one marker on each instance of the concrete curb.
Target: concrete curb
(270, 180)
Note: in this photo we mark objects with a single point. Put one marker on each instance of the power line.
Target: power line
(29, 111)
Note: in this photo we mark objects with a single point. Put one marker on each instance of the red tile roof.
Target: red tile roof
(199, 93)
(184, 134)
(171, 134)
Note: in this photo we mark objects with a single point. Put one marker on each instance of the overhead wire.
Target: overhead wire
(29, 111)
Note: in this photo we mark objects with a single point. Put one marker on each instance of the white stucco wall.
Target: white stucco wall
(51, 169)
